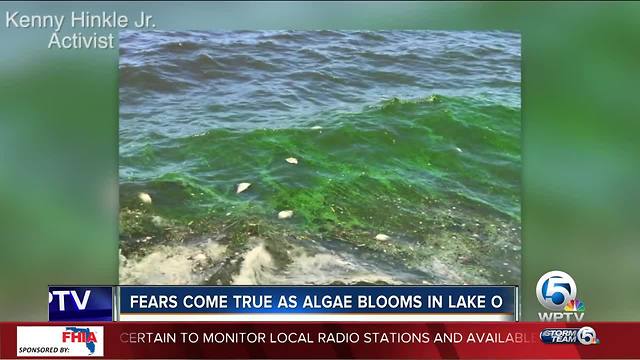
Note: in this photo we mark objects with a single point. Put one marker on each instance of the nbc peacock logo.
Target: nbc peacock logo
(574, 305)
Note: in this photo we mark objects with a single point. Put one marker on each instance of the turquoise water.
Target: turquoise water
(407, 146)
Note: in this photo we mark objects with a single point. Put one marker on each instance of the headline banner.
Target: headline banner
(305, 303)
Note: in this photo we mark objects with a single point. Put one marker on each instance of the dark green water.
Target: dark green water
(414, 135)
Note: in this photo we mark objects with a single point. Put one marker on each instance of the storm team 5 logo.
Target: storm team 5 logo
(584, 335)
(557, 291)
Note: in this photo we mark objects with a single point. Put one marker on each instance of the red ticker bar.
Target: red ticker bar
(319, 340)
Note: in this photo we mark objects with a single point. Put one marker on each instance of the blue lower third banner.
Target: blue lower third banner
(81, 303)
(317, 303)
(283, 303)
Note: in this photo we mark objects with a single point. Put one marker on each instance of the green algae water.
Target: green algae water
(407, 157)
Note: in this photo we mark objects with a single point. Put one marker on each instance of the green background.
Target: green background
(580, 112)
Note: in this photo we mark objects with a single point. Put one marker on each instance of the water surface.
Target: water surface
(410, 134)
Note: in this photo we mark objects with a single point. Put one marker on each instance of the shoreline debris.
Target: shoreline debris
(242, 187)
(383, 237)
(292, 160)
(145, 198)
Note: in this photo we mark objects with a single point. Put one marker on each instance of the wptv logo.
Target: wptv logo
(556, 291)
(81, 303)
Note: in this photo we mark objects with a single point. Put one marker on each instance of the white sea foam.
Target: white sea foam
(322, 268)
(171, 265)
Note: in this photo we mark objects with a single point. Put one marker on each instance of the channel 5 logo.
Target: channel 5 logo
(557, 291)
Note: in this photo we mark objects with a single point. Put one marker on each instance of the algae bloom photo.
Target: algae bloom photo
(320, 157)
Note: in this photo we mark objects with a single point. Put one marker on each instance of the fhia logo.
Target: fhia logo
(557, 291)
(81, 335)
(60, 341)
